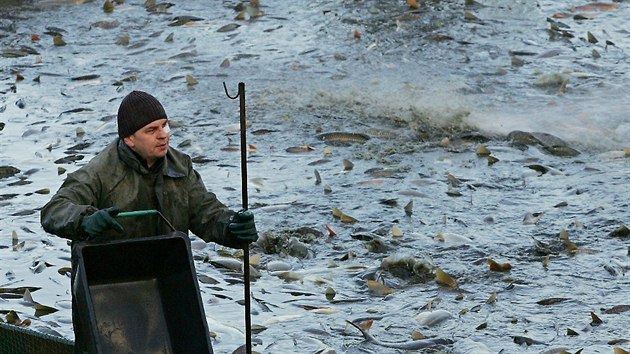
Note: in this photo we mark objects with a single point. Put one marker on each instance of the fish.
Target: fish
(85, 77)
(184, 20)
(595, 7)
(341, 137)
(16, 53)
(229, 27)
(229, 263)
(76, 110)
(281, 319)
(469, 346)
(8, 171)
(433, 318)
(47, 3)
(278, 266)
(158, 8)
(409, 345)
(299, 149)
(450, 237)
(105, 24)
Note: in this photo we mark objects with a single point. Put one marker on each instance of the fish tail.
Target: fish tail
(365, 333)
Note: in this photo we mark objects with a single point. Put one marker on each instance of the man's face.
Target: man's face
(150, 141)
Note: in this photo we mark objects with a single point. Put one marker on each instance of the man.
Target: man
(139, 171)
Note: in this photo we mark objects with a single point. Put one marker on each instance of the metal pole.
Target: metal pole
(243, 123)
(241, 94)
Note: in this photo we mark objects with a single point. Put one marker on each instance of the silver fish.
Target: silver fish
(409, 345)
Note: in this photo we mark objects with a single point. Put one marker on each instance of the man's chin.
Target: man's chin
(159, 153)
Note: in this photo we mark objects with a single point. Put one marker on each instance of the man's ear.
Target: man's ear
(129, 141)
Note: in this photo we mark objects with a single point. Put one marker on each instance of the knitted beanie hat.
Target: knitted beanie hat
(136, 110)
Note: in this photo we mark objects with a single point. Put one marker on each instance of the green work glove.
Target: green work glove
(101, 221)
(242, 226)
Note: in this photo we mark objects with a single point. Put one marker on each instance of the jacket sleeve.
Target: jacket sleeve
(63, 214)
(209, 218)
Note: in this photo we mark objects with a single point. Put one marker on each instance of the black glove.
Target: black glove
(242, 226)
(101, 221)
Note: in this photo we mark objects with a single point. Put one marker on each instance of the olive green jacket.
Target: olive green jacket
(117, 177)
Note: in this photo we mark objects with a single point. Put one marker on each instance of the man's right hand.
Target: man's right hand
(101, 221)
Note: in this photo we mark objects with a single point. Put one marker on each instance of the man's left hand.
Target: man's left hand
(242, 226)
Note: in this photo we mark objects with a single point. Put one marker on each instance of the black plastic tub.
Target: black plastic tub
(141, 296)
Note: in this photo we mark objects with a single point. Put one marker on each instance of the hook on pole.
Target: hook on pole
(228, 94)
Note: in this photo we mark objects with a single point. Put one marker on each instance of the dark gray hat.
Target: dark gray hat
(136, 110)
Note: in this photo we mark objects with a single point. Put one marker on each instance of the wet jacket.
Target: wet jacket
(118, 177)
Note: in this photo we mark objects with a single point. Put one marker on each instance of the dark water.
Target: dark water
(408, 80)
